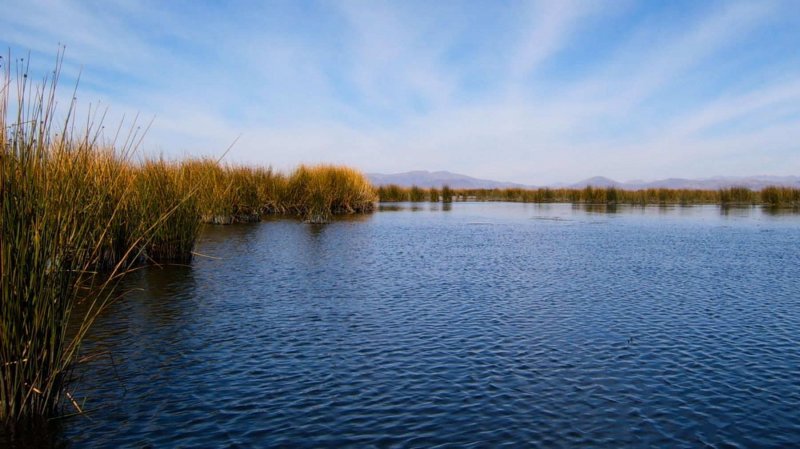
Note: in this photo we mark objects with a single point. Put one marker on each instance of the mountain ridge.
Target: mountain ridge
(427, 179)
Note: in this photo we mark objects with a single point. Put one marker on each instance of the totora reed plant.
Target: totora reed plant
(416, 194)
(74, 214)
(164, 208)
(318, 192)
(771, 196)
(50, 242)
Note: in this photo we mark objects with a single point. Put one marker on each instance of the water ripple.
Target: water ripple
(552, 327)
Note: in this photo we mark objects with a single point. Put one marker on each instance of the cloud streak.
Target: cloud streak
(535, 92)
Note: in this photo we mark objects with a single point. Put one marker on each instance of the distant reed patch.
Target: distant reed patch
(770, 196)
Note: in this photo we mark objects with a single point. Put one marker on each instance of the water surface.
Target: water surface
(472, 325)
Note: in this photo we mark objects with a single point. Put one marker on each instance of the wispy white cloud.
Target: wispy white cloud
(395, 57)
(674, 50)
(534, 92)
(546, 28)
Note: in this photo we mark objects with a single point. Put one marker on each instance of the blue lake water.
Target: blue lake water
(471, 325)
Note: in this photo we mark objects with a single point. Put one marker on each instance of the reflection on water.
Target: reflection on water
(684, 209)
(517, 324)
(37, 434)
(597, 208)
(392, 207)
(778, 211)
(414, 207)
(738, 210)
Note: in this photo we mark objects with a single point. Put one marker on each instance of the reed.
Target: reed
(213, 185)
(416, 194)
(163, 207)
(775, 196)
(737, 195)
(59, 215)
(233, 194)
(76, 213)
(318, 192)
(447, 194)
(770, 196)
(110, 177)
(271, 190)
(393, 193)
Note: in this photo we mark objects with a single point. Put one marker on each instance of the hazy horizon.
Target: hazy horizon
(528, 92)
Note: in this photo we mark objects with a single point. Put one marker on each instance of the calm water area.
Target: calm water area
(471, 325)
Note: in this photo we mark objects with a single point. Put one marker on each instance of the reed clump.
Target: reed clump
(164, 208)
(416, 194)
(213, 186)
(76, 213)
(60, 218)
(234, 194)
(238, 194)
(317, 192)
(447, 194)
(393, 193)
(737, 195)
(775, 196)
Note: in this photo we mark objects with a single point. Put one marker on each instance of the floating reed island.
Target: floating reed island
(773, 196)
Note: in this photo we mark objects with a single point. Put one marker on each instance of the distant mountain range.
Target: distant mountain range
(719, 182)
(457, 181)
(437, 179)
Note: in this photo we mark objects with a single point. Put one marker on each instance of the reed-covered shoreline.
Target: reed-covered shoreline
(78, 212)
(772, 196)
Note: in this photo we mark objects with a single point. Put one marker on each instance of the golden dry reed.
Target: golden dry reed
(317, 192)
(60, 219)
(233, 194)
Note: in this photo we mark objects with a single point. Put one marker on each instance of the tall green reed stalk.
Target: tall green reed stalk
(50, 242)
(72, 222)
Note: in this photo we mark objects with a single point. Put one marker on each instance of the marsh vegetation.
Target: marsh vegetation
(78, 211)
(770, 196)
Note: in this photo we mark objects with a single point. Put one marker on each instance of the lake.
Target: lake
(463, 325)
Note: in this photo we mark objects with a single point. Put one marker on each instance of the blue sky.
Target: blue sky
(534, 92)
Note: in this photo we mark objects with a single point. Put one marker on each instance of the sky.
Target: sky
(532, 92)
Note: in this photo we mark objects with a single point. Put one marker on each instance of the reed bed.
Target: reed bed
(780, 197)
(417, 195)
(318, 192)
(235, 194)
(392, 193)
(447, 194)
(59, 218)
(77, 213)
(163, 207)
(433, 195)
(769, 196)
